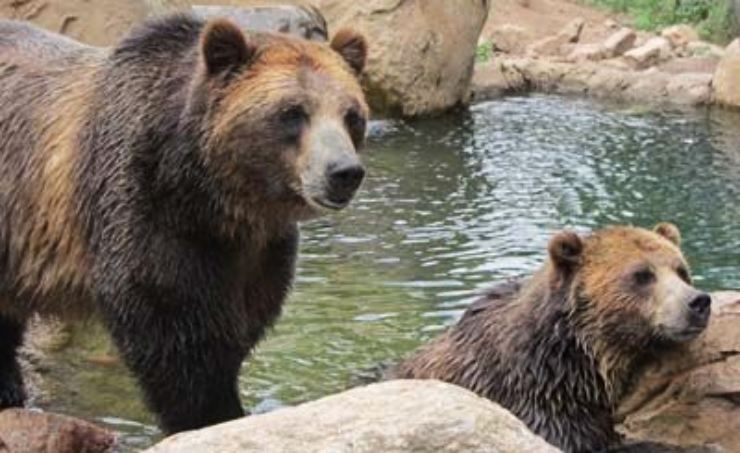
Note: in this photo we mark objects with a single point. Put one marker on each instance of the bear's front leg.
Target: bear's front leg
(182, 357)
(12, 393)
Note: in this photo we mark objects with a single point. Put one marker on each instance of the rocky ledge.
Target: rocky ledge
(42, 432)
(692, 397)
(394, 416)
(673, 68)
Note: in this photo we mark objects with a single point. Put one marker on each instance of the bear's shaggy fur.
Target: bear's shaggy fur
(160, 182)
(561, 350)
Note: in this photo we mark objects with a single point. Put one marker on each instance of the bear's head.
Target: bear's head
(281, 118)
(629, 288)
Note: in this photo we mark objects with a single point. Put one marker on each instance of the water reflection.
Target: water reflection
(453, 204)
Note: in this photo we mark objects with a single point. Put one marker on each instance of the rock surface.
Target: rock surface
(302, 21)
(394, 416)
(692, 397)
(680, 35)
(555, 45)
(727, 77)
(100, 25)
(648, 54)
(599, 80)
(42, 432)
(619, 42)
(422, 53)
(509, 38)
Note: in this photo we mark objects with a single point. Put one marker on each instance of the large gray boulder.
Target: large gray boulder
(422, 52)
(726, 81)
(304, 21)
(390, 417)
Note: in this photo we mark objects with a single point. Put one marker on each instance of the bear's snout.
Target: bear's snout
(344, 178)
(334, 171)
(699, 310)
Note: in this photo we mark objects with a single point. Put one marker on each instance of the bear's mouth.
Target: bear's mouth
(330, 204)
(685, 334)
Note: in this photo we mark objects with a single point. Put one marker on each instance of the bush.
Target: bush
(484, 52)
(714, 19)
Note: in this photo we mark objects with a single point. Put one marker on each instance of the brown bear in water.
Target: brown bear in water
(161, 182)
(560, 351)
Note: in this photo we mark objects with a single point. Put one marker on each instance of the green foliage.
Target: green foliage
(484, 52)
(713, 18)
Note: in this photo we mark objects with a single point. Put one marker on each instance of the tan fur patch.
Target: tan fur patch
(54, 260)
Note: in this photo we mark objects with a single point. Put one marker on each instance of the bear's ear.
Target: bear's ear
(669, 231)
(565, 249)
(352, 47)
(224, 47)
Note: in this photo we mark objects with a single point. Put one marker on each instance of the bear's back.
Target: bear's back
(20, 41)
(46, 81)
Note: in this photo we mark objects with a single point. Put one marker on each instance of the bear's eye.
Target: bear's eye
(356, 125)
(293, 118)
(644, 277)
(683, 274)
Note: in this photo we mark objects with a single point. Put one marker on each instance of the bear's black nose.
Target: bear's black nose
(700, 305)
(345, 177)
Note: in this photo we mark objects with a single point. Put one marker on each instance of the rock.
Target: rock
(648, 54)
(726, 81)
(706, 65)
(422, 54)
(615, 45)
(394, 416)
(492, 81)
(610, 79)
(42, 432)
(553, 45)
(692, 397)
(508, 38)
(680, 35)
(582, 52)
(704, 49)
(611, 23)
(303, 21)
(619, 42)
(573, 29)
(693, 88)
(101, 25)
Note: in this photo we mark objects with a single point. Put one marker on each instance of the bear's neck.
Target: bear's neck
(558, 324)
(545, 371)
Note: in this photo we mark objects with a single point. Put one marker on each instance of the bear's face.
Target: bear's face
(284, 118)
(631, 287)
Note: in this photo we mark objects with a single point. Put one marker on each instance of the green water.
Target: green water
(451, 205)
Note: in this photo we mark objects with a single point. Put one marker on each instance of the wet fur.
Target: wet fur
(556, 390)
(107, 201)
(538, 349)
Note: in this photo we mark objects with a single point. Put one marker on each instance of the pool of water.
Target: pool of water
(450, 206)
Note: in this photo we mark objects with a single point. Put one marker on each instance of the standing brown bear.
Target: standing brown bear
(560, 351)
(161, 182)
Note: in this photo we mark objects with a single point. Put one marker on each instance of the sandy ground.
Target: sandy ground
(544, 18)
